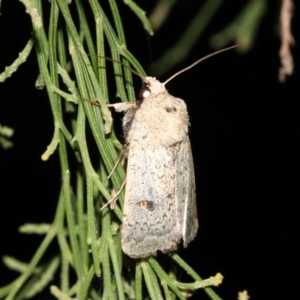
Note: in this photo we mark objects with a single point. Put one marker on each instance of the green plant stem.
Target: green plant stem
(18, 62)
(38, 254)
(81, 219)
(163, 275)
(209, 291)
(151, 281)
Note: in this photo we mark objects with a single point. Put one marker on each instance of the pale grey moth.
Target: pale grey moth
(160, 194)
(160, 199)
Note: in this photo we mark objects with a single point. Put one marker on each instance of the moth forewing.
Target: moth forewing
(149, 217)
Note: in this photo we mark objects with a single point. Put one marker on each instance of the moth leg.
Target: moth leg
(115, 197)
(119, 107)
(96, 103)
(123, 106)
(121, 155)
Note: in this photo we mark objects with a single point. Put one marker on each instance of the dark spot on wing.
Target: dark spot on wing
(170, 109)
(146, 204)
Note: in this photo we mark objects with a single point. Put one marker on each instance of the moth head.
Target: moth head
(151, 86)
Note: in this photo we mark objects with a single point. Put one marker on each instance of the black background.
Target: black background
(244, 134)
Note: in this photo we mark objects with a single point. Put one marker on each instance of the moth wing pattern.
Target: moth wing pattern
(160, 196)
(149, 216)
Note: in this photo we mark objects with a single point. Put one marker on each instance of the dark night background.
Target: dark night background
(245, 139)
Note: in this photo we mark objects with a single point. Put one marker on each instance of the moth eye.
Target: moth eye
(144, 92)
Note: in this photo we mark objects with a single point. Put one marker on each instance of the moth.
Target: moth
(160, 193)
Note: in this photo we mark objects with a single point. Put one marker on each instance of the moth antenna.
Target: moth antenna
(133, 71)
(197, 62)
